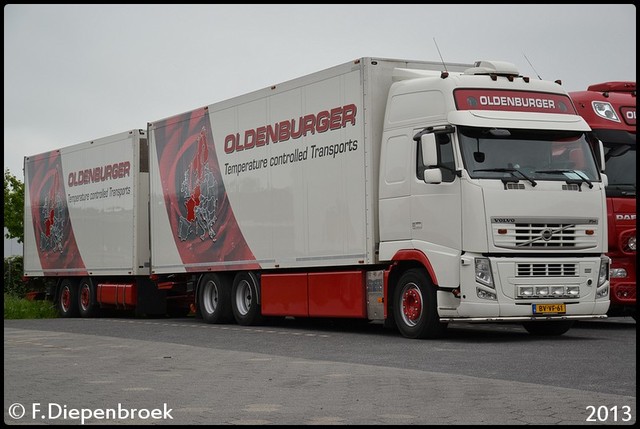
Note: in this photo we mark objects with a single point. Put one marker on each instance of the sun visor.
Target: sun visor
(506, 119)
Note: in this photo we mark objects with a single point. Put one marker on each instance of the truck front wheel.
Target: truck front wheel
(213, 299)
(68, 299)
(244, 299)
(415, 308)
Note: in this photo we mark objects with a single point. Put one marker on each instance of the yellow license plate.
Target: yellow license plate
(549, 308)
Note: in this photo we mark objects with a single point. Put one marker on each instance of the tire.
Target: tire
(548, 329)
(244, 299)
(87, 304)
(67, 301)
(415, 307)
(214, 302)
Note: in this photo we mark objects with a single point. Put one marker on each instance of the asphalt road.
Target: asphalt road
(121, 370)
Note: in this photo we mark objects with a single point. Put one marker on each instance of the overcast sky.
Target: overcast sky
(74, 73)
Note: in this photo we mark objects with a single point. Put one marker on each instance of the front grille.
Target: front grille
(546, 270)
(521, 234)
(531, 235)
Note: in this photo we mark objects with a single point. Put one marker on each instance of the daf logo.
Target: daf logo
(546, 234)
(625, 217)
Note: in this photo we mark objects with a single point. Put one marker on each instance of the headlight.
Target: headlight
(602, 292)
(618, 273)
(603, 275)
(486, 294)
(605, 110)
(627, 240)
(553, 291)
(483, 272)
(557, 291)
(542, 291)
(573, 291)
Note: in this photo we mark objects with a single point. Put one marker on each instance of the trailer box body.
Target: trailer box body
(282, 177)
(86, 209)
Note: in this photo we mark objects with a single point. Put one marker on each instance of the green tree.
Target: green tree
(13, 206)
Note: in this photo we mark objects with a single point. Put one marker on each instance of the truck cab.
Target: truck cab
(610, 110)
(490, 179)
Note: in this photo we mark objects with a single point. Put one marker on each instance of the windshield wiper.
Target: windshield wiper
(512, 171)
(568, 180)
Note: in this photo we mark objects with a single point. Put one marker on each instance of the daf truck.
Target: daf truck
(610, 110)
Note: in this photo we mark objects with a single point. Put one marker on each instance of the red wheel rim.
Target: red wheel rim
(84, 297)
(412, 305)
(65, 299)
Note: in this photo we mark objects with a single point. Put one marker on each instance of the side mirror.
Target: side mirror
(605, 179)
(432, 174)
(478, 157)
(602, 160)
(429, 150)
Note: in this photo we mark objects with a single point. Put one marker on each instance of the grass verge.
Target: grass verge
(22, 308)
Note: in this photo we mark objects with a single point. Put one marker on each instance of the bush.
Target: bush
(16, 294)
(14, 284)
(13, 270)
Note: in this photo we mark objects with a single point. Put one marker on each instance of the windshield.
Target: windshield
(620, 167)
(528, 155)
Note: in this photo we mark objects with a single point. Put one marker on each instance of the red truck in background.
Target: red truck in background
(610, 110)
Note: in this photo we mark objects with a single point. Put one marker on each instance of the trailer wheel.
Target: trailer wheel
(87, 305)
(214, 301)
(548, 329)
(415, 309)
(68, 299)
(244, 299)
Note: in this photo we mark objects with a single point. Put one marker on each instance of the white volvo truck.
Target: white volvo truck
(415, 194)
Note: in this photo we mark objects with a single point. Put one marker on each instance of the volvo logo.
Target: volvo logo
(546, 234)
(503, 220)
